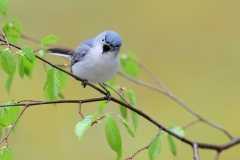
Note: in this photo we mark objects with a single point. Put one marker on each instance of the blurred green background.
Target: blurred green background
(192, 46)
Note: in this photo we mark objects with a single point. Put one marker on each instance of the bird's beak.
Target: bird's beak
(106, 48)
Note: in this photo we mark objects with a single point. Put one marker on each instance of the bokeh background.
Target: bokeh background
(192, 46)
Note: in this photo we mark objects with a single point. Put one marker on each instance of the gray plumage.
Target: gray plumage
(95, 59)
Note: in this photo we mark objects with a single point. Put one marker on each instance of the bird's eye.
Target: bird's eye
(102, 40)
(113, 49)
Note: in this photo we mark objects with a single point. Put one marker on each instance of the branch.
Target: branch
(13, 125)
(195, 151)
(176, 99)
(234, 141)
(146, 147)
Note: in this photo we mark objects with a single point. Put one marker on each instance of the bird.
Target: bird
(95, 59)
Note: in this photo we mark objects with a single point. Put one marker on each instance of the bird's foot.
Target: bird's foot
(85, 83)
(108, 96)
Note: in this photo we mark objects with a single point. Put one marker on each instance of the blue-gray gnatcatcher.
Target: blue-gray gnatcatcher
(95, 59)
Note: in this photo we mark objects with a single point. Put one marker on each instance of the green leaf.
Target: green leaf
(13, 28)
(3, 6)
(61, 95)
(42, 53)
(63, 77)
(127, 127)
(49, 40)
(81, 127)
(52, 86)
(1, 128)
(28, 53)
(129, 66)
(9, 83)
(20, 66)
(101, 106)
(6, 154)
(172, 144)
(123, 109)
(8, 63)
(11, 114)
(28, 67)
(133, 102)
(178, 130)
(113, 135)
(155, 147)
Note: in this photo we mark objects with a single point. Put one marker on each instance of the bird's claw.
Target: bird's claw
(85, 83)
(108, 96)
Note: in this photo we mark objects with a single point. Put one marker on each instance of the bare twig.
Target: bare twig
(232, 142)
(218, 155)
(6, 41)
(117, 93)
(176, 99)
(191, 123)
(195, 151)
(146, 147)
(80, 109)
(13, 125)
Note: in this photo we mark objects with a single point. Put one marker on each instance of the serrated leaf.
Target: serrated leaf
(172, 144)
(129, 67)
(82, 126)
(133, 102)
(3, 7)
(123, 110)
(14, 29)
(20, 66)
(52, 86)
(155, 147)
(29, 54)
(8, 63)
(113, 135)
(178, 130)
(6, 154)
(9, 83)
(49, 40)
(11, 114)
(125, 124)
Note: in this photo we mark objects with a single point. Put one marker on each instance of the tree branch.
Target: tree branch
(232, 142)
(146, 147)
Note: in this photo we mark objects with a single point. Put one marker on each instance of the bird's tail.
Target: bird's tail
(67, 53)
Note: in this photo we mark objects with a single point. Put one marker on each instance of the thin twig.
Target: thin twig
(231, 143)
(176, 99)
(4, 36)
(218, 155)
(13, 125)
(80, 109)
(152, 75)
(146, 147)
(195, 151)
(117, 93)
(191, 123)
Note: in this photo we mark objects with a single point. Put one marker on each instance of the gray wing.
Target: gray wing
(87, 42)
(80, 53)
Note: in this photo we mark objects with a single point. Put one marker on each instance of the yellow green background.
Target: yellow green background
(192, 46)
